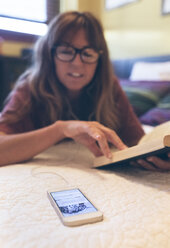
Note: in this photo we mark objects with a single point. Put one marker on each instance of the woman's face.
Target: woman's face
(75, 75)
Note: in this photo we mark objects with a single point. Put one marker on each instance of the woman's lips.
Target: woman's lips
(75, 74)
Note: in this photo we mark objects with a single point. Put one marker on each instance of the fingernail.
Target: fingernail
(150, 159)
(97, 136)
(139, 161)
(110, 155)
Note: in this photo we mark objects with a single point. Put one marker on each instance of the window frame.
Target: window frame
(52, 8)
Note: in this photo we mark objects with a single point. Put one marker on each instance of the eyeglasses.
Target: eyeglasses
(67, 53)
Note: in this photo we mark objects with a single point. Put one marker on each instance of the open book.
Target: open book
(157, 142)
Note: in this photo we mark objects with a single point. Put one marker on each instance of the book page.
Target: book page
(156, 133)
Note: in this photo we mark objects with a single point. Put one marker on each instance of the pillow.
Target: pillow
(165, 102)
(155, 116)
(150, 71)
(144, 95)
(159, 114)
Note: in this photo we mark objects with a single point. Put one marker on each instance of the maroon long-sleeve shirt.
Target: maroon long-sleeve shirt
(130, 130)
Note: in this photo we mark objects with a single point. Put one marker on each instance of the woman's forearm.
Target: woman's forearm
(20, 147)
(96, 137)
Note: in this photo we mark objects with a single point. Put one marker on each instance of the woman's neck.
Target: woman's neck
(74, 95)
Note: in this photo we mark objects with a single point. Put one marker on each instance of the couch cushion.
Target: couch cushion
(145, 95)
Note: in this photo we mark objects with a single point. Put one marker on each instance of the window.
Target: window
(26, 18)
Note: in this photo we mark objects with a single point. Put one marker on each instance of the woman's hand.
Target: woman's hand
(93, 135)
(154, 163)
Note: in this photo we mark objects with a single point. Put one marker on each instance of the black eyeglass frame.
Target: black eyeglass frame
(76, 51)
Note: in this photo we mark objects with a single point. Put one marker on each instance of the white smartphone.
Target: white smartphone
(73, 207)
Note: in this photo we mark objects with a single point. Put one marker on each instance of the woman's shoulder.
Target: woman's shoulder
(118, 91)
(18, 98)
(21, 92)
(22, 89)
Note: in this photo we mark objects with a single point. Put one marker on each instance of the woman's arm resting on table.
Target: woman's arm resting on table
(20, 147)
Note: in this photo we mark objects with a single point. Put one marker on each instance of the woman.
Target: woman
(68, 92)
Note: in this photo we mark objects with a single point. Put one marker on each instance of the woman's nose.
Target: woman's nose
(77, 60)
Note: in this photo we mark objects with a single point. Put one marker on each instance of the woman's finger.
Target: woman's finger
(103, 135)
(143, 163)
(90, 143)
(159, 163)
(113, 138)
(102, 142)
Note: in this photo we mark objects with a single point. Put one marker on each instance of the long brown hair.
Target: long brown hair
(46, 91)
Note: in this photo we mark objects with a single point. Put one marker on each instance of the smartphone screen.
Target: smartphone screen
(72, 202)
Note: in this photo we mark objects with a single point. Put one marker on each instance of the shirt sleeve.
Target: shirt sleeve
(18, 100)
(130, 129)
